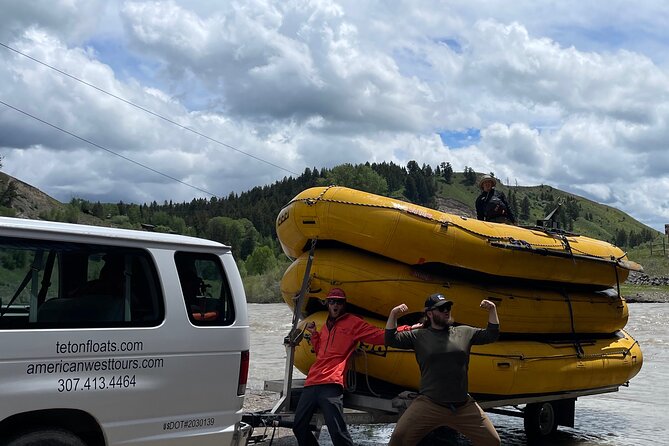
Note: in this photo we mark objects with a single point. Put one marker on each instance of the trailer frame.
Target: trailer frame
(542, 414)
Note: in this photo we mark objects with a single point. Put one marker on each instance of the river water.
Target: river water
(635, 415)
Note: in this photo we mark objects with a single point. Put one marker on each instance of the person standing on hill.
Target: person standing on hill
(324, 386)
(442, 352)
(491, 204)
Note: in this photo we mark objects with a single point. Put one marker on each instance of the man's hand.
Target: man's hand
(487, 305)
(311, 327)
(401, 308)
(392, 317)
(492, 311)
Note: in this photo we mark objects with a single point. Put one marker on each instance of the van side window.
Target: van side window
(45, 284)
(205, 288)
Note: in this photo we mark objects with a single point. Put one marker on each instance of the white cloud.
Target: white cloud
(70, 20)
(288, 61)
(567, 94)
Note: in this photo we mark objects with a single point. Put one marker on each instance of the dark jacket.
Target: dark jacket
(492, 206)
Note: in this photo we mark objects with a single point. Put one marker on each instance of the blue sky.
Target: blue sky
(455, 139)
(570, 94)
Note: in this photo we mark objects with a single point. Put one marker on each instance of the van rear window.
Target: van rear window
(205, 289)
(46, 284)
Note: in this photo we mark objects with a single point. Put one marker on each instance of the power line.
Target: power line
(106, 149)
(157, 115)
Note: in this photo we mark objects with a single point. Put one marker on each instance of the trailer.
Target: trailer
(542, 414)
(369, 404)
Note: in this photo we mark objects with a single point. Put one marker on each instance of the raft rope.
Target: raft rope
(516, 244)
(619, 354)
(352, 378)
(617, 282)
(623, 353)
(577, 343)
(565, 244)
(341, 282)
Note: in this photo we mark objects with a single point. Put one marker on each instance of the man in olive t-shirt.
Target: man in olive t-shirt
(442, 352)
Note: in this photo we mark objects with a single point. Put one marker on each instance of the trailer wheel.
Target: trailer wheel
(540, 419)
(46, 437)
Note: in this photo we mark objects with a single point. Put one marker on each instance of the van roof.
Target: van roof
(13, 227)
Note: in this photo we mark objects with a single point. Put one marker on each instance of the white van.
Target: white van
(119, 337)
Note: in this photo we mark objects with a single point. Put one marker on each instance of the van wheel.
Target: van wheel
(47, 437)
(540, 420)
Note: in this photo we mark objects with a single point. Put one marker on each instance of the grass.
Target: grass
(654, 264)
(628, 289)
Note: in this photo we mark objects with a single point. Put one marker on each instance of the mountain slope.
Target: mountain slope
(26, 201)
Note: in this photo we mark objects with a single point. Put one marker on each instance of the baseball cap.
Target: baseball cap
(336, 293)
(437, 300)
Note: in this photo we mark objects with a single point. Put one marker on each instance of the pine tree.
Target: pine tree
(525, 209)
(410, 189)
(470, 177)
(513, 202)
(447, 172)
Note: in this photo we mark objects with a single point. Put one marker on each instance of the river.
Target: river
(635, 415)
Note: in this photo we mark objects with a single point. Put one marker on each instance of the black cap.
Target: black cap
(437, 300)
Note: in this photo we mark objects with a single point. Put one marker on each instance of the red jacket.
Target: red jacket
(334, 346)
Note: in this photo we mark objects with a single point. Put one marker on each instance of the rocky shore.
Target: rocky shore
(636, 278)
(657, 292)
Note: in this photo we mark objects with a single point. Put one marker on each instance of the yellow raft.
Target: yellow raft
(377, 284)
(507, 368)
(414, 235)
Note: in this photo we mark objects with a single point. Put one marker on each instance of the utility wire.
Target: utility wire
(106, 149)
(147, 110)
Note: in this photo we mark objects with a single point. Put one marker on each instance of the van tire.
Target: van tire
(46, 437)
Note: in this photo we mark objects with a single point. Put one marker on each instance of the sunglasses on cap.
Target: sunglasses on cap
(336, 301)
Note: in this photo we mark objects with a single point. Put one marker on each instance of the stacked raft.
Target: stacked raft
(561, 318)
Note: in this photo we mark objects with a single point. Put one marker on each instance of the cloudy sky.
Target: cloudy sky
(210, 97)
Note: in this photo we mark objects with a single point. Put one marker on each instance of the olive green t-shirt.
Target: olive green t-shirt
(443, 357)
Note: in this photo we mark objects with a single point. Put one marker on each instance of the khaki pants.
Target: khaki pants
(423, 416)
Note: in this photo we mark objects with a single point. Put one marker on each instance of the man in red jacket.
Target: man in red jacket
(324, 386)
